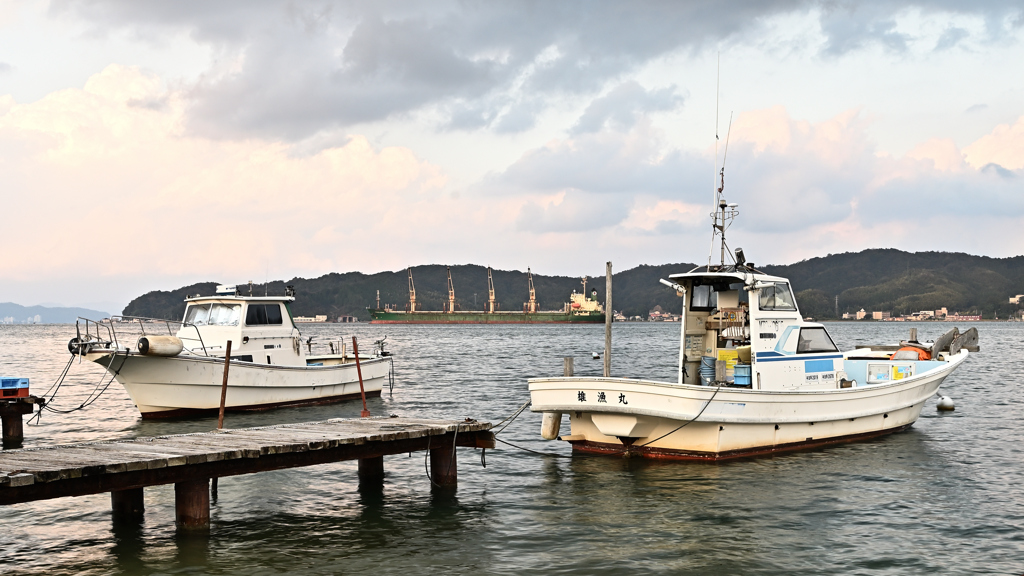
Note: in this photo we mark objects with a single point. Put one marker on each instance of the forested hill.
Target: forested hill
(635, 291)
(885, 279)
(902, 282)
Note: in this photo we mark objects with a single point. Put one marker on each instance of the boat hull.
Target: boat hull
(164, 387)
(617, 416)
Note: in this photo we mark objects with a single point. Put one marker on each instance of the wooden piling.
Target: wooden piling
(127, 504)
(567, 369)
(359, 372)
(371, 470)
(224, 386)
(14, 430)
(192, 504)
(11, 412)
(608, 316)
(444, 468)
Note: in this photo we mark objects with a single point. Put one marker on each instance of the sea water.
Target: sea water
(945, 496)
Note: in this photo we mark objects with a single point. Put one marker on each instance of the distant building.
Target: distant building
(347, 319)
(880, 315)
(1016, 299)
(941, 312)
(861, 314)
(964, 318)
(308, 319)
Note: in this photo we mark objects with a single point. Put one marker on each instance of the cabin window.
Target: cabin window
(776, 296)
(703, 298)
(197, 314)
(213, 314)
(225, 314)
(815, 340)
(258, 314)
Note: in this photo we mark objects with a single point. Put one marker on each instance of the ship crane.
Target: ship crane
(412, 292)
(531, 306)
(491, 306)
(451, 291)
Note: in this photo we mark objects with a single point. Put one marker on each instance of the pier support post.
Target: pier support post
(127, 504)
(567, 368)
(192, 504)
(14, 430)
(11, 412)
(444, 468)
(371, 470)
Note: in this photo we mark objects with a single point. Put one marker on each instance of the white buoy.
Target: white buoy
(945, 403)
(595, 355)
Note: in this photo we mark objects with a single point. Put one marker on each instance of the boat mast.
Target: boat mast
(532, 306)
(490, 292)
(451, 291)
(412, 292)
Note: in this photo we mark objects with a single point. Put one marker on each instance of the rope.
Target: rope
(533, 451)
(706, 404)
(451, 461)
(511, 418)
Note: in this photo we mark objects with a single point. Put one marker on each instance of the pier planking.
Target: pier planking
(190, 460)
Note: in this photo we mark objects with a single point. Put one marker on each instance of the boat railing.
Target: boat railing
(108, 325)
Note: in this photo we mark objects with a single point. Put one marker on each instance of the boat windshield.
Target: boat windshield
(776, 296)
(213, 314)
(815, 340)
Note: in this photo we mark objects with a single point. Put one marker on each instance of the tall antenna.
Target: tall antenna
(714, 175)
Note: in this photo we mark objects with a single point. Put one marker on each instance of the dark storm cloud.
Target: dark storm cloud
(292, 69)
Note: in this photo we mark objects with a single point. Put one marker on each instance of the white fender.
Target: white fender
(159, 346)
(550, 424)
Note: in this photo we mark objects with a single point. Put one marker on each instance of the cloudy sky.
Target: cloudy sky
(147, 145)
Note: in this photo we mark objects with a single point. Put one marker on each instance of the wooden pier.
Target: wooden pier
(124, 468)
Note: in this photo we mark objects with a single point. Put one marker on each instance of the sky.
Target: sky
(149, 145)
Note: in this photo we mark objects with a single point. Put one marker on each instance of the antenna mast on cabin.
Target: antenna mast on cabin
(412, 292)
(491, 307)
(531, 306)
(451, 291)
(724, 212)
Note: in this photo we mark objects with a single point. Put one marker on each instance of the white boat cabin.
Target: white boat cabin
(751, 321)
(260, 328)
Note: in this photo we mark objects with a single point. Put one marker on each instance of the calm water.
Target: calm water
(947, 496)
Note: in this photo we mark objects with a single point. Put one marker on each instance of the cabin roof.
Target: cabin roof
(729, 275)
(232, 298)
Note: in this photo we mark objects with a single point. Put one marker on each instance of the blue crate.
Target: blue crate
(13, 383)
(741, 375)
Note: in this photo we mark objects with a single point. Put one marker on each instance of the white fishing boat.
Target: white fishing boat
(170, 373)
(753, 377)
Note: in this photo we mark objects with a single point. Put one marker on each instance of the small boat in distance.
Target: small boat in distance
(753, 377)
(176, 373)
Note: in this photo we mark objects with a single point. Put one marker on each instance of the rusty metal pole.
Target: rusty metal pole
(359, 371)
(224, 386)
(608, 313)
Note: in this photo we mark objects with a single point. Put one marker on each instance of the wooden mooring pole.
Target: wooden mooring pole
(608, 314)
(359, 372)
(192, 504)
(223, 400)
(224, 386)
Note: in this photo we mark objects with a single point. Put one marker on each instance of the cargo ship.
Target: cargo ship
(580, 309)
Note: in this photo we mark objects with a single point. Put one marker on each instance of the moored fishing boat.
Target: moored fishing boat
(174, 373)
(753, 377)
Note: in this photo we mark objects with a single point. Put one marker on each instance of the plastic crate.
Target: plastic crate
(13, 387)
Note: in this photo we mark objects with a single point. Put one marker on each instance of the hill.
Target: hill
(11, 313)
(883, 279)
(635, 291)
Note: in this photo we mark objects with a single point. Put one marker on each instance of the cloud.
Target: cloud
(91, 173)
(1003, 146)
(286, 70)
(622, 106)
